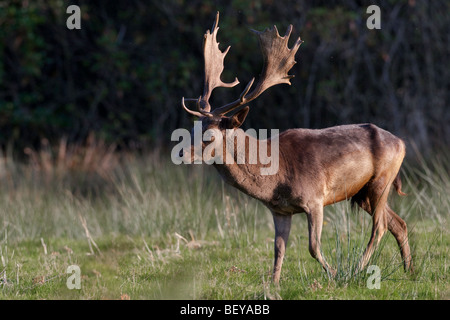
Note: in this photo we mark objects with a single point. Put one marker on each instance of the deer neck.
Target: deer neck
(254, 164)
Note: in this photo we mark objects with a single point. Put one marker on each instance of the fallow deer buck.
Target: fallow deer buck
(359, 162)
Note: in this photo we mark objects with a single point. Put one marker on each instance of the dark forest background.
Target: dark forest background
(121, 77)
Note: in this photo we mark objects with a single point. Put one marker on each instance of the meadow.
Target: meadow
(140, 227)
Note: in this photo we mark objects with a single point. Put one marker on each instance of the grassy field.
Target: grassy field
(143, 228)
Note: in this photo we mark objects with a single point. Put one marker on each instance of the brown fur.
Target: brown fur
(321, 167)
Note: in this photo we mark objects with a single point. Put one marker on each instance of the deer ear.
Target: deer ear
(238, 118)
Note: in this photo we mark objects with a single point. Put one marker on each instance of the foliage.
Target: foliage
(123, 74)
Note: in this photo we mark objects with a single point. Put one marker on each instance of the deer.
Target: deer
(317, 167)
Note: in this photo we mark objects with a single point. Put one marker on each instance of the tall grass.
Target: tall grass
(110, 194)
(137, 195)
(118, 193)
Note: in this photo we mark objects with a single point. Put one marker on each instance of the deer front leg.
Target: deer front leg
(282, 229)
(315, 221)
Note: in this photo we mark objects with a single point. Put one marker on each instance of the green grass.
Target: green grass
(147, 229)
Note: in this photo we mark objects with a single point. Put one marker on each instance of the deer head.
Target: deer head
(278, 60)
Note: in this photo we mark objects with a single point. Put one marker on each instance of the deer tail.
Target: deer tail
(398, 184)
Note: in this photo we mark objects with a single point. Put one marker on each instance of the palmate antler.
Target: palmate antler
(278, 60)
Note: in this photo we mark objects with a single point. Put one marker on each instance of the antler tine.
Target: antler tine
(216, 22)
(278, 60)
(199, 113)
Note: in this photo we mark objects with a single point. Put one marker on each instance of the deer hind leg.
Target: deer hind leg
(282, 230)
(375, 204)
(397, 226)
(315, 222)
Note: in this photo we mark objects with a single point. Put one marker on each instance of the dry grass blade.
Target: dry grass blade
(88, 236)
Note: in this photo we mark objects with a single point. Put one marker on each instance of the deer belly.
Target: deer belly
(345, 182)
